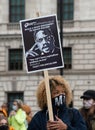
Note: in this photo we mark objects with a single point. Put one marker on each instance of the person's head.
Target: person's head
(58, 86)
(17, 104)
(44, 40)
(88, 99)
(4, 123)
(5, 106)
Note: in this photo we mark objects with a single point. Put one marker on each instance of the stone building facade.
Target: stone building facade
(79, 34)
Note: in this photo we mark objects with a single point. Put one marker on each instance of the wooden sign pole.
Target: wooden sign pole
(49, 104)
(48, 94)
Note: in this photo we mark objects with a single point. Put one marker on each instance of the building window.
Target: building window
(67, 55)
(17, 10)
(67, 9)
(15, 59)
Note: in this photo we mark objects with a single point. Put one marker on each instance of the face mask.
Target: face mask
(59, 101)
(88, 103)
(4, 127)
(14, 107)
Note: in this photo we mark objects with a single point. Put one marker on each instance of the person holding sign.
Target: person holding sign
(65, 118)
(44, 44)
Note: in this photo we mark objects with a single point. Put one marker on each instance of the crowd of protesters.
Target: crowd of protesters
(65, 118)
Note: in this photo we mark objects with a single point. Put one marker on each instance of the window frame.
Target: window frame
(20, 67)
(69, 64)
(17, 16)
(67, 13)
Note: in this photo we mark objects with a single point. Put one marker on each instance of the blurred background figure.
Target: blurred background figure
(88, 109)
(28, 111)
(2, 113)
(4, 124)
(4, 107)
(17, 117)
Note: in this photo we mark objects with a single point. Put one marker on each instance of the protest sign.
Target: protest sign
(41, 44)
(42, 48)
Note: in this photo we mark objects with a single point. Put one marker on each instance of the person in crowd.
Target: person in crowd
(44, 44)
(4, 107)
(28, 111)
(4, 124)
(3, 112)
(17, 117)
(65, 118)
(88, 109)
